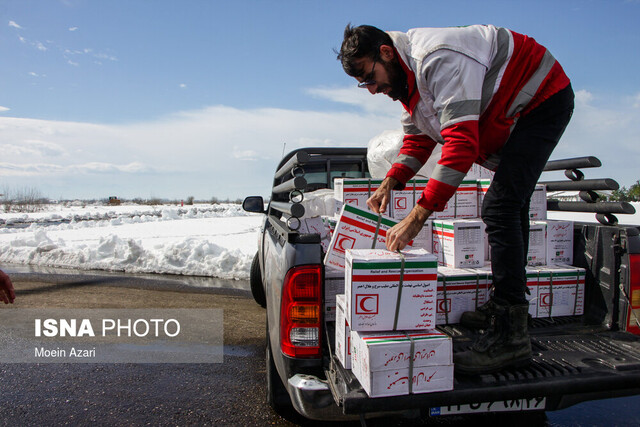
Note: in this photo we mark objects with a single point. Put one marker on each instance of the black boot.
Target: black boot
(505, 344)
(481, 318)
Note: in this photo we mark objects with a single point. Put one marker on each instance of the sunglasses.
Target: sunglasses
(368, 81)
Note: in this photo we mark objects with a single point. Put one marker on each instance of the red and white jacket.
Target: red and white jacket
(467, 88)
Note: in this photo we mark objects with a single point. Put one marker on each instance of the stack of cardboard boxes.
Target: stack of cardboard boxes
(385, 323)
(386, 305)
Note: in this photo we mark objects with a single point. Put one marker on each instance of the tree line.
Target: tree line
(624, 194)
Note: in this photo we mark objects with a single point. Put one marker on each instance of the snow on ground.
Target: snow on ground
(202, 240)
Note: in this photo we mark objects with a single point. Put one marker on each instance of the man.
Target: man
(7, 293)
(490, 96)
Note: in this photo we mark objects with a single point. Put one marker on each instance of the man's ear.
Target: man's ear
(386, 53)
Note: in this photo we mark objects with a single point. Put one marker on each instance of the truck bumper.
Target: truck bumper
(312, 398)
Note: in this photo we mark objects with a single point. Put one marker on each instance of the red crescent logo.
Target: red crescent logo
(364, 306)
(443, 306)
(343, 243)
(545, 300)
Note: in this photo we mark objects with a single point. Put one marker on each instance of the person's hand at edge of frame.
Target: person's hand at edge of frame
(7, 293)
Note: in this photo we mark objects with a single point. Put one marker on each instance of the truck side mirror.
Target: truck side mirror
(253, 204)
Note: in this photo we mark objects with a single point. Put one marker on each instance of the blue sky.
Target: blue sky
(141, 98)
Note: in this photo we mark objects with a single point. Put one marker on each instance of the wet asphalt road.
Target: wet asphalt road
(228, 393)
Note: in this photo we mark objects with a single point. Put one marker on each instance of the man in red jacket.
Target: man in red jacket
(490, 96)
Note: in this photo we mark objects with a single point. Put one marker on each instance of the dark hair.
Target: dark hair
(360, 42)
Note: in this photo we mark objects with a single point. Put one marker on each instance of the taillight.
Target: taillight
(301, 313)
(634, 294)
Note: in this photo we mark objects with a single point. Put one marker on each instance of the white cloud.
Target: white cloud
(73, 28)
(20, 171)
(609, 133)
(3, 109)
(32, 148)
(244, 154)
(228, 152)
(51, 170)
(14, 25)
(206, 152)
(102, 167)
(354, 96)
(583, 97)
(106, 56)
(182, 85)
(69, 54)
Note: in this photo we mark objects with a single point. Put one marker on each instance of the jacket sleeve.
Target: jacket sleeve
(455, 82)
(414, 153)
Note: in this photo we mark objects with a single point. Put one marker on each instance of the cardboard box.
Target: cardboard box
(487, 247)
(354, 191)
(559, 238)
(386, 364)
(380, 286)
(459, 243)
(403, 201)
(425, 379)
(424, 239)
(483, 187)
(312, 225)
(538, 205)
(460, 290)
(329, 225)
(356, 229)
(560, 291)
(343, 333)
(463, 204)
(533, 283)
(537, 254)
(479, 172)
(532, 274)
(333, 285)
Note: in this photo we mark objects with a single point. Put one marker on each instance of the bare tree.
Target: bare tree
(26, 199)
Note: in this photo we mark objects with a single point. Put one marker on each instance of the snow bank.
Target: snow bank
(203, 240)
(216, 241)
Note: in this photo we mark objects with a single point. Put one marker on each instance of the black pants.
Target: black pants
(505, 209)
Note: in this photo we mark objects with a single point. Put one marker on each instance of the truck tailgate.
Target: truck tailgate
(571, 364)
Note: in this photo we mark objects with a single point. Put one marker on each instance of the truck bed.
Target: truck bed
(572, 363)
(575, 358)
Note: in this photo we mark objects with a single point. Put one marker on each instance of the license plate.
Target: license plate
(533, 404)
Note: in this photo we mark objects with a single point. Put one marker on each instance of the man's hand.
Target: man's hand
(402, 233)
(7, 293)
(379, 200)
